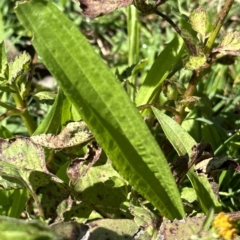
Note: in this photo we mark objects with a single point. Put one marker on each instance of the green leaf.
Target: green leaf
(23, 165)
(116, 229)
(179, 138)
(69, 229)
(4, 87)
(189, 194)
(18, 67)
(4, 132)
(3, 60)
(44, 97)
(103, 104)
(183, 143)
(230, 42)
(195, 62)
(12, 228)
(144, 217)
(75, 134)
(19, 199)
(198, 19)
(58, 115)
(162, 66)
(24, 162)
(99, 189)
(54, 199)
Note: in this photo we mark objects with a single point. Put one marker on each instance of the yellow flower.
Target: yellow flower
(224, 226)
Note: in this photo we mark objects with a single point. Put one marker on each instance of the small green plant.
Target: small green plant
(92, 158)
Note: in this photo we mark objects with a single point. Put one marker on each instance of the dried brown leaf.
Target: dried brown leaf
(95, 8)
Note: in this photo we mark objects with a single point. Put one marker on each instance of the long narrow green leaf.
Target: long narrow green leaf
(58, 115)
(102, 103)
(183, 143)
(162, 66)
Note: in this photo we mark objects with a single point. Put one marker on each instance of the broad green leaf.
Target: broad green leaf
(69, 229)
(10, 177)
(12, 228)
(54, 199)
(103, 104)
(23, 161)
(183, 143)
(81, 212)
(23, 165)
(98, 188)
(116, 229)
(162, 66)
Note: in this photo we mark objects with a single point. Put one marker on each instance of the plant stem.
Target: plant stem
(26, 117)
(189, 92)
(133, 45)
(196, 76)
(189, 45)
(221, 18)
(165, 107)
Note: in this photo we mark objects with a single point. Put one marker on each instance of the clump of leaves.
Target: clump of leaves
(124, 174)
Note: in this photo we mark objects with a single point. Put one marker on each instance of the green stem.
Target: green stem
(221, 18)
(26, 117)
(133, 45)
(29, 122)
(165, 107)
(228, 195)
(197, 75)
